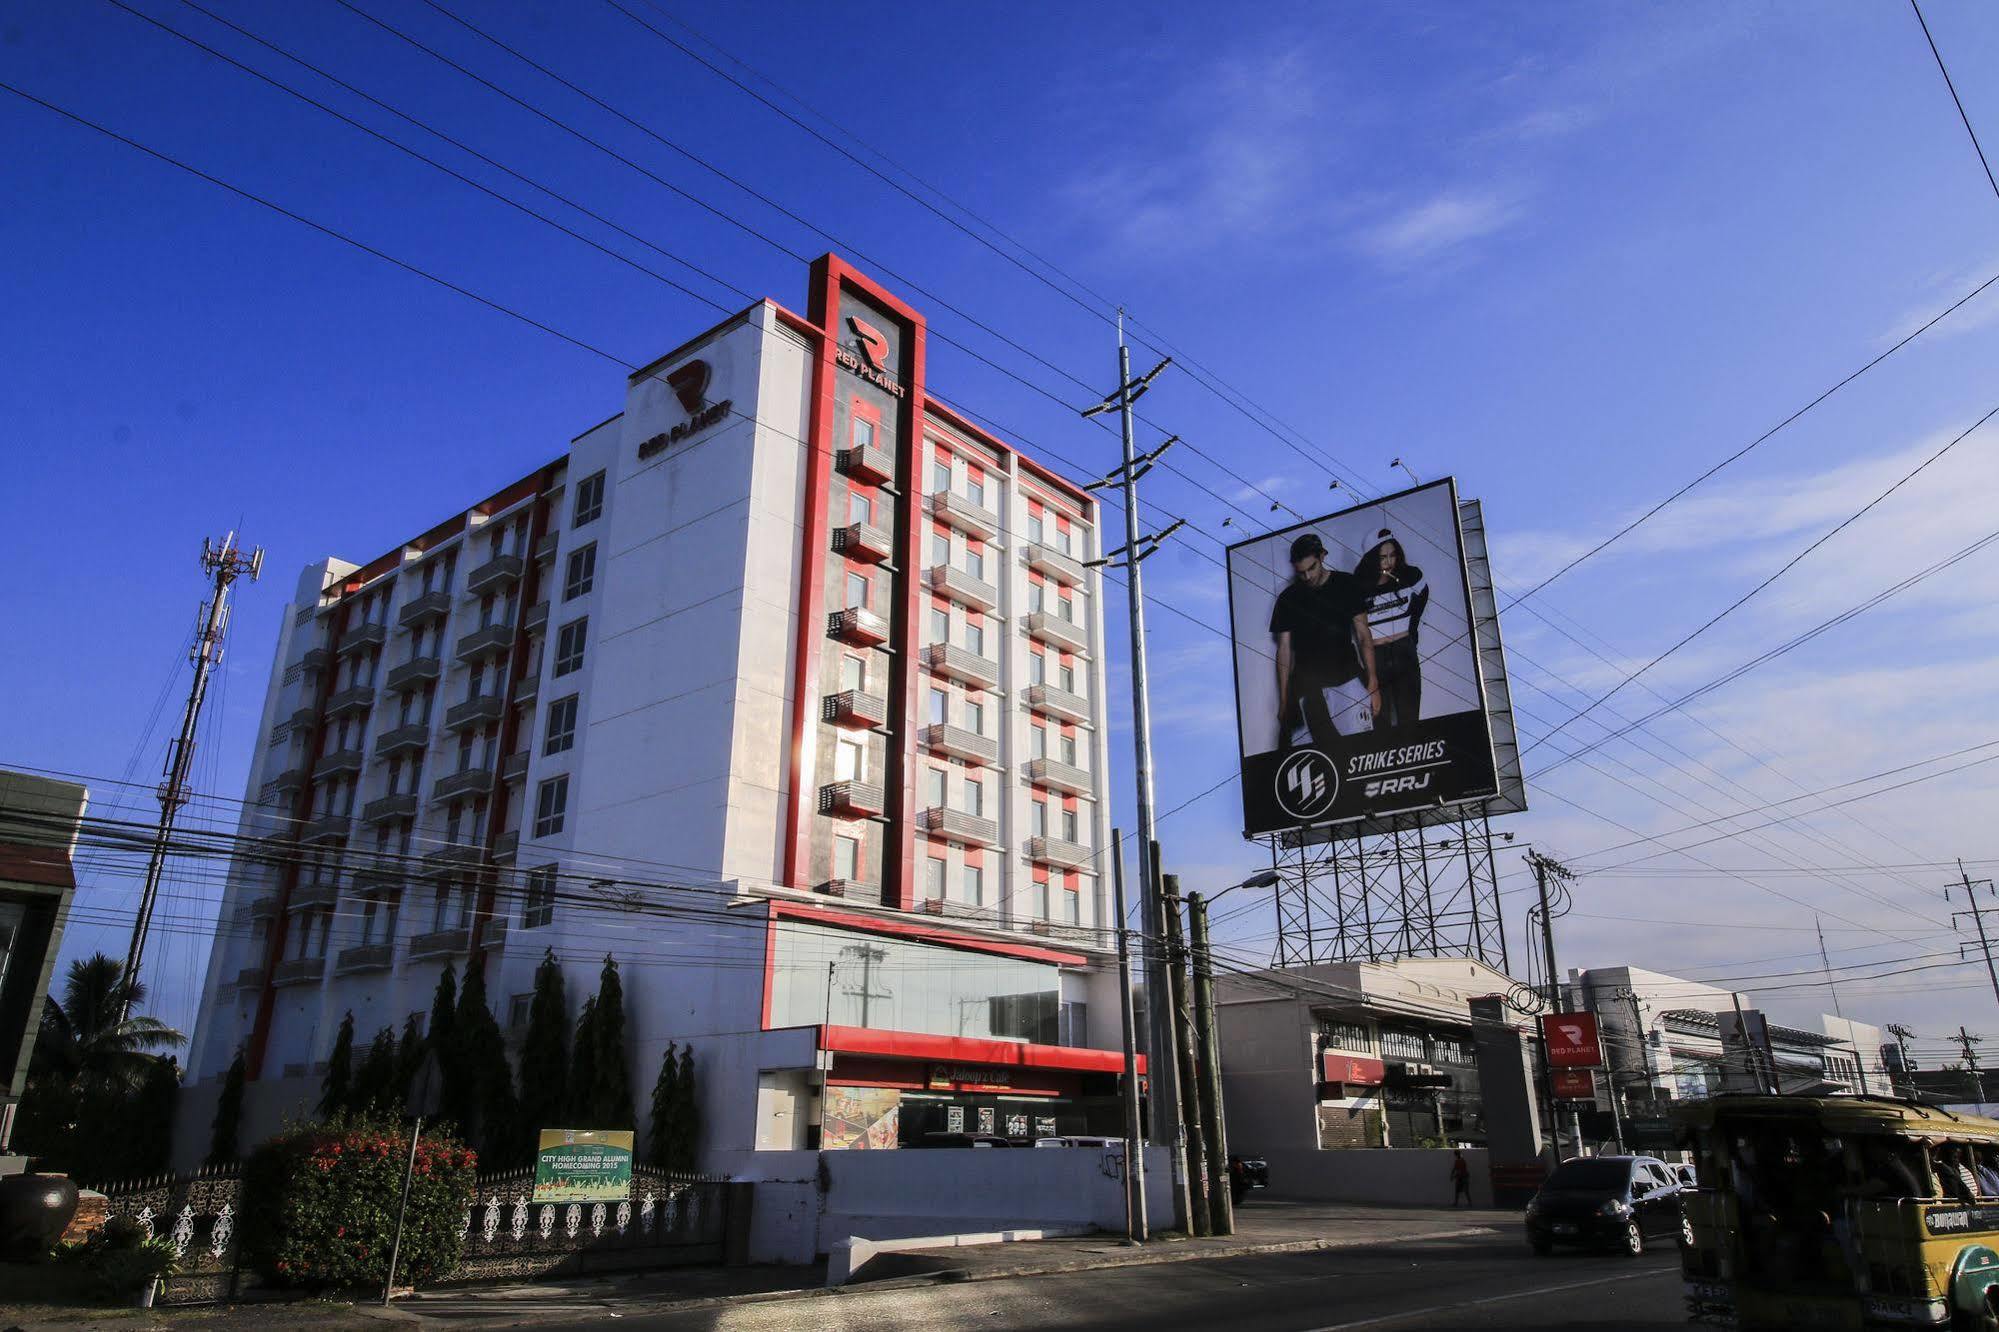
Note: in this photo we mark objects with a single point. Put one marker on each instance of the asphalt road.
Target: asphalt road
(1477, 1282)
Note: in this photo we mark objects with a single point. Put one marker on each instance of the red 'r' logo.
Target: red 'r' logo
(870, 341)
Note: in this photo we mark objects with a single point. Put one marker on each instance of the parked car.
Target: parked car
(1080, 1140)
(961, 1140)
(1613, 1202)
(1246, 1173)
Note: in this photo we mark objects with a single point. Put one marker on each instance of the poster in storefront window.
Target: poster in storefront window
(860, 1118)
(1016, 1126)
(583, 1165)
(1044, 1128)
(987, 1119)
(954, 1118)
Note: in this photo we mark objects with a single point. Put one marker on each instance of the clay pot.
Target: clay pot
(34, 1212)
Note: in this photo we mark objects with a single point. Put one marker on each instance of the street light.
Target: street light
(1261, 879)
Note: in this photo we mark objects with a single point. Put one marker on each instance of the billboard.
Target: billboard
(1572, 1084)
(583, 1165)
(1572, 1040)
(1360, 687)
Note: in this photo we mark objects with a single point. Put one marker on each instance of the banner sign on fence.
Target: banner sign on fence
(583, 1165)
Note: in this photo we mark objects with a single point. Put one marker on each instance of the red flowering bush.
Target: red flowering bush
(319, 1204)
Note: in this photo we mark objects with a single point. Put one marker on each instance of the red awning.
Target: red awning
(971, 1050)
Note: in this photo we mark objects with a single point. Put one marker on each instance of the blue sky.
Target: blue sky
(1571, 253)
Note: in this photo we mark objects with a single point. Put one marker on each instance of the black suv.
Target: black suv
(1614, 1202)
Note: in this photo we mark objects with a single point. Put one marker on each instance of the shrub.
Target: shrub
(319, 1204)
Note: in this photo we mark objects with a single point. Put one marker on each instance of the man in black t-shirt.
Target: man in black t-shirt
(1325, 651)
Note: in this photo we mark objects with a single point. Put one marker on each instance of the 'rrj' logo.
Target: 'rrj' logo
(1307, 781)
(870, 341)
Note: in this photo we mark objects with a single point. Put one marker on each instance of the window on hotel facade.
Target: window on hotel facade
(975, 717)
(1037, 668)
(560, 733)
(863, 435)
(857, 591)
(378, 919)
(936, 786)
(940, 549)
(934, 883)
(1072, 830)
(1037, 741)
(860, 509)
(847, 858)
(975, 637)
(1065, 677)
(1034, 528)
(538, 902)
(853, 673)
(850, 760)
(940, 477)
(975, 797)
(551, 803)
(589, 500)
(1066, 608)
(569, 646)
(975, 562)
(940, 706)
(1037, 822)
(1037, 904)
(582, 572)
(975, 885)
(1064, 539)
(1072, 907)
(1069, 748)
(940, 625)
(1035, 595)
(975, 488)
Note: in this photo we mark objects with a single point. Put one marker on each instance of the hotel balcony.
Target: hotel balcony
(385, 809)
(416, 671)
(285, 784)
(854, 888)
(958, 826)
(969, 518)
(426, 606)
(862, 628)
(387, 872)
(1052, 628)
(338, 763)
(464, 782)
(506, 848)
(869, 464)
(495, 575)
(1059, 776)
(959, 743)
(494, 932)
(854, 800)
(358, 698)
(1059, 853)
(361, 637)
(307, 896)
(481, 711)
(402, 739)
(438, 943)
(493, 640)
(304, 721)
(536, 618)
(514, 766)
(864, 542)
(250, 978)
(854, 709)
(264, 908)
(325, 828)
(299, 971)
(544, 549)
(316, 659)
(1052, 563)
(962, 665)
(526, 688)
(364, 957)
(1052, 701)
(964, 589)
(452, 856)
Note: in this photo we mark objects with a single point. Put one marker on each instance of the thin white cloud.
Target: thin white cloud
(1442, 223)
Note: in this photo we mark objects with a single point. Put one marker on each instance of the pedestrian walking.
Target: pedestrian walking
(1460, 1179)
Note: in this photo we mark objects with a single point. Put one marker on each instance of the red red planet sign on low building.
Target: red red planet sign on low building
(1572, 1040)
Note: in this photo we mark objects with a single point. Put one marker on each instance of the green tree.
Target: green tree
(583, 1067)
(409, 1058)
(228, 1119)
(441, 1042)
(335, 1087)
(374, 1090)
(480, 1082)
(612, 1100)
(687, 1117)
(544, 1052)
(665, 1109)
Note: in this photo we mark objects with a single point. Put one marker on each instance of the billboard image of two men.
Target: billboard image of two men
(1357, 672)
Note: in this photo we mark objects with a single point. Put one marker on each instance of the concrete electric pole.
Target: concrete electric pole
(1977, 914)
(224, 564)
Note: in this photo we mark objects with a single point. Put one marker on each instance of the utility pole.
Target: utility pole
(224, 563)
(1214, 1129)
(1199, 1220)
(1967, 1040)
(1544, 868)
(1638, 1037)
(1902, 1035)
(1136, 1231)
(1859, 1055)
(1977, 914)
(1167, 1129)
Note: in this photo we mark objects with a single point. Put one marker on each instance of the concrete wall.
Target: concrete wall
(1411, 1177)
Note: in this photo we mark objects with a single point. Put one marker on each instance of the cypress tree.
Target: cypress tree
(665, 1105)
(409, 1058)
(481, 1085)
(544, 1052)
(151, 1125)
(687, 1117)
(612, 1101)
(442, 1041)
(335, 1088)
(375, 1080)
(228, 1113)
(583, 1067)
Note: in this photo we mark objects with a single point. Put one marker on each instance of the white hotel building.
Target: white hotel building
(784, 686)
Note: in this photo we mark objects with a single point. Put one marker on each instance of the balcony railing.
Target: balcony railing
(960, 743)
(383, 809)
(961, 664)
(304, 721)
(964, 515)
(361, 637)
(325, 828)
(506, 848)
(958, 826)
(514, 766)
(1052, 628)
(452, 856)
(307, 896)
(425, 606)
(964, 589)
(501, 571)
(868, 464)
(535, 619)
(860, 800)
(480, 711)
(544, 547)
(316, 659)
(338, 763)
(1054, 701)
(250, 978)
(855, 709)
(1062, 854)
(464, 782)
(1052, 563)
(491, 641)
(401, 739)
(416, 671)
(358, 698)
(1059, 776)
(264, 908)
(285, 783)
(526, 688)
(364, 957)
(854, 888)
(864, 542)
(438, 943)
(299, 971)
(863, 628)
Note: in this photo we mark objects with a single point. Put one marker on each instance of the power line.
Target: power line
(1978, 147)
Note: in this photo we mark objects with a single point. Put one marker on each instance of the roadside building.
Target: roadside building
(784, 687)
(39, 823)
